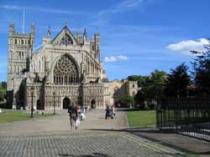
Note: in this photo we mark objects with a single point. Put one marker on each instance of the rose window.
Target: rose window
(65, 71)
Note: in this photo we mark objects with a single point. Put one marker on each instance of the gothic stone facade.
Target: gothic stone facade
(65, 69)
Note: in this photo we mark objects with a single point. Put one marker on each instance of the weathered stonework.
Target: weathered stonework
(65, 70)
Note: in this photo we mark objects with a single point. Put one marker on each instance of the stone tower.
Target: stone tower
(20, 47)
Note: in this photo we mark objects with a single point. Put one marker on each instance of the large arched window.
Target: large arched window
(66, 71)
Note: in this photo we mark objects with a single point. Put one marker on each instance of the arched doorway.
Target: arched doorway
(93, 103)
(39, 105)
(66, 102)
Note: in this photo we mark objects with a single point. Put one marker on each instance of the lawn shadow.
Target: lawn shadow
(130, 109)
(85, 155)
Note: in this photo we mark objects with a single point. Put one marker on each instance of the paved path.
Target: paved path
(188, 144)
(83, 144)
(52, 137)
(60, 122)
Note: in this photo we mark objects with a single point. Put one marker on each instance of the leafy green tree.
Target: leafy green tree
(154, 85)
(201, 71)
(127, 100)
(4, 85)
(3, 89)
(2, 96)
(139, 99)
(177, 82)
(141, 79)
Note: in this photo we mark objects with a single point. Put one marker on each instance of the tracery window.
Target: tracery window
(65, 71)
(66, 40)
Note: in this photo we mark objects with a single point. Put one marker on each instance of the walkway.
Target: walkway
(60, 123)
(52, 137)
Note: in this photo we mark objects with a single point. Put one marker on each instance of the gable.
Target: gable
(64, 37)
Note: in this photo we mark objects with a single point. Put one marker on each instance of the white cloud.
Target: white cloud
(10, 7)
(105, 15)
(115, 58)
(186, 46)
(126, 4)
(46, 10)
(122, 57)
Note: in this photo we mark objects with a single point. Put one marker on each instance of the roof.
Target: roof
(64, 31)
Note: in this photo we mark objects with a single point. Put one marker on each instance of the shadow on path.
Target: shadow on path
(168, 138)
(85, 155)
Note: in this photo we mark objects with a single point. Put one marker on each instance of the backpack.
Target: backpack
(70, 109)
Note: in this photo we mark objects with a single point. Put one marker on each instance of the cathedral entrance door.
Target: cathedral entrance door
(39, 105)
(66, 102)
(93, 103)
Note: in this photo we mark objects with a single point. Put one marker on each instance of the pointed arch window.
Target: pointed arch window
(66, 71)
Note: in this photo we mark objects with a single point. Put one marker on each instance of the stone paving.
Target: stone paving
(60, 122)
(83, 144)
(60, 141)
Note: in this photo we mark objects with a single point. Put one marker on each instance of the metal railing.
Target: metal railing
(189, 116)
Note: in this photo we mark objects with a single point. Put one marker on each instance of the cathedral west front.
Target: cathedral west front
(64, 70)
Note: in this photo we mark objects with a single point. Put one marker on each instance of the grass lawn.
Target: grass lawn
(142, 119)
(12, 116)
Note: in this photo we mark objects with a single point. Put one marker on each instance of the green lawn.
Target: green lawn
(12, 116)
(142, 119)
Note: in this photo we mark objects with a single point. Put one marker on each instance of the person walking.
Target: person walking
(107, 112)
(113, 112)
(70, 111)
(77, 116)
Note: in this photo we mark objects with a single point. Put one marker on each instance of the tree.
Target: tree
(177, 82)
(152, 87)
(3, 89)
(201, 71)
(141, 79)
(4, 85)
(127, 100)
(2, 96)
(139, 99)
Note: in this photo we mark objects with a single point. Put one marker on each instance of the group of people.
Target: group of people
(110, 112)
(76, 114)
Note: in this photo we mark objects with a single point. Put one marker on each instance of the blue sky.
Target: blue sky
(137, 36)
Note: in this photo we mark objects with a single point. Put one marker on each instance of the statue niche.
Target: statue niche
(66, 71)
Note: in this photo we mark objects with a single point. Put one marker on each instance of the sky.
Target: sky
(137, 36)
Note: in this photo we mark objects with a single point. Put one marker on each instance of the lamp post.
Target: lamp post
(32, 102)
(54, 95)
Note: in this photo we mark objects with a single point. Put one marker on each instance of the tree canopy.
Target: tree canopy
(152, 86)
(127, 100)
(201, 71)
(177, 82)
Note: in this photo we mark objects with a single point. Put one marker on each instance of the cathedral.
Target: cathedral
(64, 70)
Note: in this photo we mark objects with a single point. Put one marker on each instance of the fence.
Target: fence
(189, 116)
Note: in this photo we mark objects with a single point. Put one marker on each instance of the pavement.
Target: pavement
(180, 142)
(96, 137)
(60, 123)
